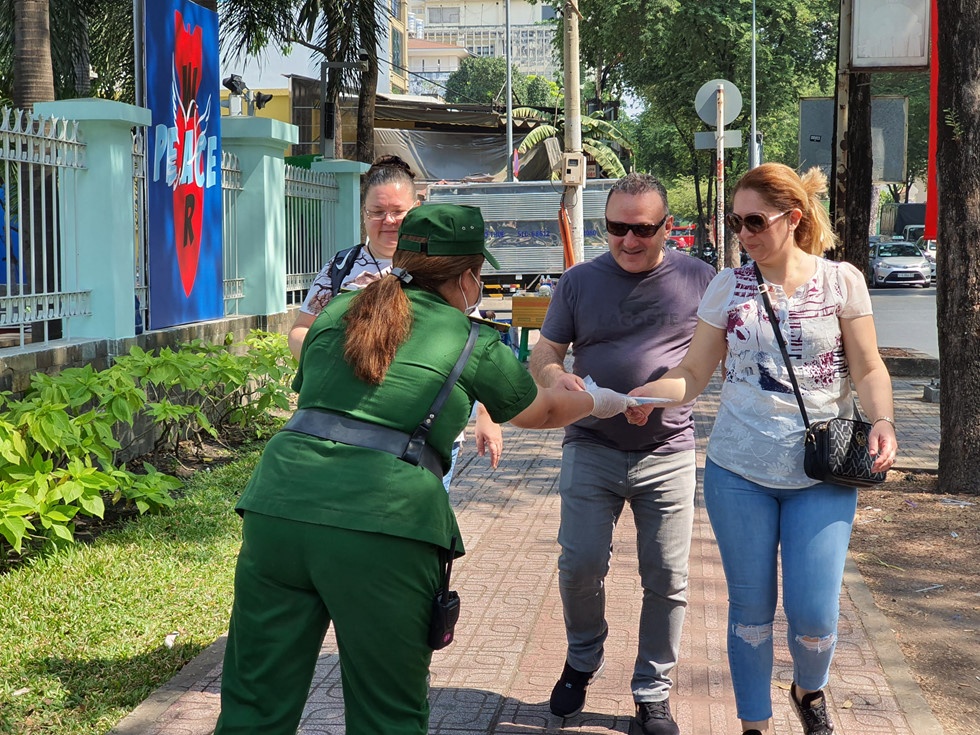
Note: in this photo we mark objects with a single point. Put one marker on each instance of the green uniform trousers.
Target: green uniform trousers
(291, 581)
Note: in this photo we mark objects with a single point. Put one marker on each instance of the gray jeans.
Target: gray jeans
(595, 484)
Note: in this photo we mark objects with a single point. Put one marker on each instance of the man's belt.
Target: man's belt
(357, 433)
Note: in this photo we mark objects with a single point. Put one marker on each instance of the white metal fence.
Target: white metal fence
(37, 251)
(139, 231)
(231, 185)
(310, 201)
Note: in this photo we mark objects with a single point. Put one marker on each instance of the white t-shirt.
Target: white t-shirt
(366, 270)
(759, 430)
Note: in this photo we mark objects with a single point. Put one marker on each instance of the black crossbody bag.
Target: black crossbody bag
(836, 450)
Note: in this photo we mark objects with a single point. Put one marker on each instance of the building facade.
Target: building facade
(479, 26)
(393, 66)
(430, 64)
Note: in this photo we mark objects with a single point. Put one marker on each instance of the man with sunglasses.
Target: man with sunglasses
(629, 315)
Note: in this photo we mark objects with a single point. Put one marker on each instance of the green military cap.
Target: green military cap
(444, 229)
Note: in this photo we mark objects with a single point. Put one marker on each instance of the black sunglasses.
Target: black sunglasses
(619, 229)
(754, 223)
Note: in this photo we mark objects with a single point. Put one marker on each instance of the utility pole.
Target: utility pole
(838, 177)
(573, 126)
(510, 95)
(720, 178)
(753, 131)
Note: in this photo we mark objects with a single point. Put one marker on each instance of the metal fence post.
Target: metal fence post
(260, 144)
(99, 205)
(347, 213)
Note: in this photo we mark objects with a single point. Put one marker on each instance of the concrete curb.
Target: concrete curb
(910, 698)
(142, 719)
(915, 365)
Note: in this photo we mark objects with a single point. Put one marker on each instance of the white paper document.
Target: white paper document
(631, 401)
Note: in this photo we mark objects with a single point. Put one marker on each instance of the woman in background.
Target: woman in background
(388, 193)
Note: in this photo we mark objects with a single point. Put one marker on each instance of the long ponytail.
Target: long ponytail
(379, 319)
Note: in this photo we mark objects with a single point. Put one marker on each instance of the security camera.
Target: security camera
(261, 99)
(363, 58)
(234, 84)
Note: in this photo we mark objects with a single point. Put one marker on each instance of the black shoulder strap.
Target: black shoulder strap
(764, 295)
(341, 265)
(421, 433)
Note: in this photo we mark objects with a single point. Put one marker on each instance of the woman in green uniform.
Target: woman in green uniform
(344, 530)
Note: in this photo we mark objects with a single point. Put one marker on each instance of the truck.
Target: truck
(895, 218)
(521, 221)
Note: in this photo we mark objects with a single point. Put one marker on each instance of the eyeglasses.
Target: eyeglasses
(619, 229)
(397, 215)
(755, 223)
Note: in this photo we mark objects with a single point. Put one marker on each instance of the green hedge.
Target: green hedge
(60, 443)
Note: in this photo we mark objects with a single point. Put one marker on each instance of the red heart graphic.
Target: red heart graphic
(189, 188)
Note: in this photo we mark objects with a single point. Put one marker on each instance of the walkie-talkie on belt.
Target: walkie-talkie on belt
(445, 607)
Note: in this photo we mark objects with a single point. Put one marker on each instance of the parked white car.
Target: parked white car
(928, 248)
(899, 263)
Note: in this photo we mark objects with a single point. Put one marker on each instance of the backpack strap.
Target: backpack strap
(341, 265)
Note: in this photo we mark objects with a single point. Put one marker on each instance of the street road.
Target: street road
(906, 317)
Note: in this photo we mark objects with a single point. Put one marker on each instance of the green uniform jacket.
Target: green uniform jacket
(313, 480)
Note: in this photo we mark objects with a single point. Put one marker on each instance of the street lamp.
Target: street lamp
(239, 92)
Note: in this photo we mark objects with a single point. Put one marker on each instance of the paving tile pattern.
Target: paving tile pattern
(510, 644)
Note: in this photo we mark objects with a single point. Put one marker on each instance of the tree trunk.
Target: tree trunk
(857, 197)
(33, 71)
(366, 99)
(958, 254)
(335, 53)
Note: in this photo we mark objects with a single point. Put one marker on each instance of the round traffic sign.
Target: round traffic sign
(707, 106)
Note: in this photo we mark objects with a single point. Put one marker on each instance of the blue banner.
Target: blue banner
(183, 163)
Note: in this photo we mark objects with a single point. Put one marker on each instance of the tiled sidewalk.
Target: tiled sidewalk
(510, 643)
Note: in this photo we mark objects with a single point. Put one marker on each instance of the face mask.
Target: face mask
(468, 310)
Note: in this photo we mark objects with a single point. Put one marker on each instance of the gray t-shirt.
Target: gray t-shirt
(627, 329)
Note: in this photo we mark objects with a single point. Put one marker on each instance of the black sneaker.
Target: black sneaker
(654, 718)
(568, 696)
(812, 712)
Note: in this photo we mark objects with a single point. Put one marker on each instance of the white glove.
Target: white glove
(608, 403)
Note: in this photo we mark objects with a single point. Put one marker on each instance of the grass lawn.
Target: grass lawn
(83, 630)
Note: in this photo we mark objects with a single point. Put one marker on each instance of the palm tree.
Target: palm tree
(62, 45)
(33, 73)
(598, 137)
(55, 41)
(339, 29)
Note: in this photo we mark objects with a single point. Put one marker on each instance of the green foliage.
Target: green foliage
(482, 79)
(682, 199)
(96, 34)
(665, 51)
(82, 639)
(541, 92)
(599, 137)
(60, 443)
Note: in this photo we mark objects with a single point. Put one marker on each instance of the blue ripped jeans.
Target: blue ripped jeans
(810, 528)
